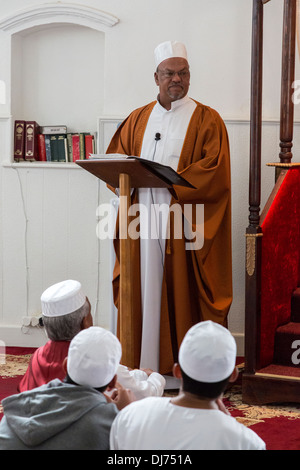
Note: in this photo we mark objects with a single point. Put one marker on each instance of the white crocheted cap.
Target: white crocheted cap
(62, 298)
(169, 49)
(208, 352)
(94, 356)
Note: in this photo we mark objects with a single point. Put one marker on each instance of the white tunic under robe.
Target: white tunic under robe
(172, 126)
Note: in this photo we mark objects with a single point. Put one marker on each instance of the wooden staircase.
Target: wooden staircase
(287, 338)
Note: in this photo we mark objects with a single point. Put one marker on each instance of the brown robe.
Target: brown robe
(197, 284)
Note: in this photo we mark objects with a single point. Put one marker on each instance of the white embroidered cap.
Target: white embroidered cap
(93, 357)
(169, 49)
(62, 298)
(208, 352)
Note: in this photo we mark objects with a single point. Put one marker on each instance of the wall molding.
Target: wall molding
(48, 13)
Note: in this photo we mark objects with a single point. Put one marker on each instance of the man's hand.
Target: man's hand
(148, 371)
(221, 406)
(121, 397)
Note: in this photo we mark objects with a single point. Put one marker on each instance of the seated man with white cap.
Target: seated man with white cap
(192, 420)
(66, 310)
(72, 414)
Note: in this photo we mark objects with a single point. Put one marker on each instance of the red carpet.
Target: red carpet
(277, 425)
(11, 371)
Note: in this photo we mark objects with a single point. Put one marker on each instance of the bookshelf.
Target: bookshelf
(48, 210)
(56, 37)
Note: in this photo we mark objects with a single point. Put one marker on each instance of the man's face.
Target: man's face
(173, 79)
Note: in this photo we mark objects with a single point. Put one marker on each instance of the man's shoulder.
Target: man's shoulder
(209, 116)
(52, 350)
(145, 405)
(140, 409)
(137, 118)
(241, 434)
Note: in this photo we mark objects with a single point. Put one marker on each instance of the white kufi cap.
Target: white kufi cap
(94, 356)
(62, 298)
(169, 49)
(208, 352)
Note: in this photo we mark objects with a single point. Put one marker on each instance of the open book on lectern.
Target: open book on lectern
(165, 173)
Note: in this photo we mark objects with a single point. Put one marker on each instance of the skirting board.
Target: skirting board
(34, 337)
(240, 341)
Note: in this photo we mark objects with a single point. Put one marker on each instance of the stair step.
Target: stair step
(295, 306)
(277, 369)
(287, 345)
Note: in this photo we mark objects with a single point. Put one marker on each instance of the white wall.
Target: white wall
(60, 204)
(61, 75)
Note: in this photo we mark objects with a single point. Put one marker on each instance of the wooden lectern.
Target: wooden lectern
(125, 173)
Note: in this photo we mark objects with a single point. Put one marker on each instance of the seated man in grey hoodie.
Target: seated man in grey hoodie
(73, 413)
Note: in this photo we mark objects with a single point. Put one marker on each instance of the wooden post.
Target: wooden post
(253, 232)
(256, 114)
(287, 79)
(126, 320)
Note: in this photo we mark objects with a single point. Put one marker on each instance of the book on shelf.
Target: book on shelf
(26, 140)
(58, 148)
(89, 145)
(47, 148)
(19, 140)
(42, 148)
(70, 146)
(62, 148)
(53, 129)
(31, 141)
(26, 144)
(83, 144)
(53, 147)
(75, 147)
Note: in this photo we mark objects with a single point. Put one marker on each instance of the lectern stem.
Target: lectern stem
(126, 320)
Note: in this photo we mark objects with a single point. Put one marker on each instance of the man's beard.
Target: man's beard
(176, 95)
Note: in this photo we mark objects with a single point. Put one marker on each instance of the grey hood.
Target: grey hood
(35, 416)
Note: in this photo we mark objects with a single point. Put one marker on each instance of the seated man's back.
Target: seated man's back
(196, 418)
(57, 416)
(73, 414)
(156, 424)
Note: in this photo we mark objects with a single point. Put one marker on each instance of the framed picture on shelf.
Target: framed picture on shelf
(106, 127)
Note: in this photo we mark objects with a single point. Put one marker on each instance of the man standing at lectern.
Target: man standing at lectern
(178, 284)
